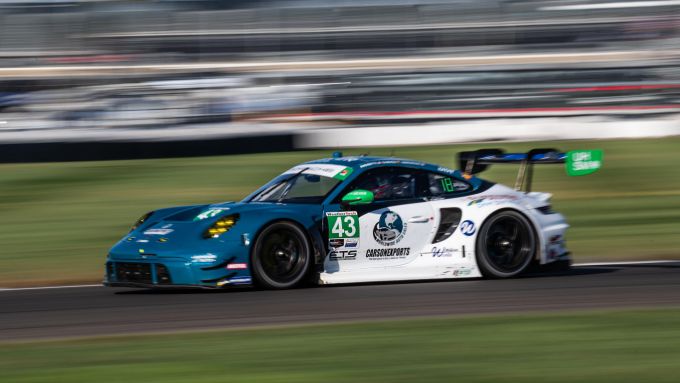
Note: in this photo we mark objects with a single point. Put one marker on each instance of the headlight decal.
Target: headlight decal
(221, 226)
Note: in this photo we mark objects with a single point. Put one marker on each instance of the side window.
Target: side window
(388, 183)
(441, 185)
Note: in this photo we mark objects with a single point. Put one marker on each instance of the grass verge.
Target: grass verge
(59, 219)
(610, 346)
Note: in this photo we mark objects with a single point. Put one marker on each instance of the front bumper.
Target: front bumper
(174, 273)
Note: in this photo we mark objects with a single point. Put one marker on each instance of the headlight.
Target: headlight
(221, 226)
(141, 221)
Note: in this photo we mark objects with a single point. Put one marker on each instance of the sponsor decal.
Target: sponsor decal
(344, 224)
(158, 231)
(352, 242)
(413, 163)
(583, 162)
(343, 159)
(445, 170)
(325, 170)
(439, 252)
(336, 242)
(480, 202)
(389, 229)
(393, 253)
(475, 202)
(343, 254)
(468, 228)
(204, 258)
(240, 280)
(490, 200)
(343, 235)
(344, 173)
(387, 162)
(462, 272)
(210, 213)
(390, 162)
(237, 266)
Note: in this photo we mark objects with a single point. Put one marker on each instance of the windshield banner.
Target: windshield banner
(339, 172)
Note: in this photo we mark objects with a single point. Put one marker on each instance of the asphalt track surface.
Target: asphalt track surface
(88, 311)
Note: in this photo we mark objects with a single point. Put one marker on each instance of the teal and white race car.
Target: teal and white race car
(356, 219)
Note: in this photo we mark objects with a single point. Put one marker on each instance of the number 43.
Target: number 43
(344, 227)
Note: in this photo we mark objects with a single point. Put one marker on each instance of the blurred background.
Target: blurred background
(302, 71)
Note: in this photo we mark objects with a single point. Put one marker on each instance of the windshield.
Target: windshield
(297, 188)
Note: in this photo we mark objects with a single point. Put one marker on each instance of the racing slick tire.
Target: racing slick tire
(506, 245)
(281, 256)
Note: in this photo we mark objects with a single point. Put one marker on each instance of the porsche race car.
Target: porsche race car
(356, 219)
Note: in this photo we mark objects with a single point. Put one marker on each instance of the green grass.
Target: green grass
(611, 346)
(59, 219)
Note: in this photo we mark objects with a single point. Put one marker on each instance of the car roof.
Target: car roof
(369, 161)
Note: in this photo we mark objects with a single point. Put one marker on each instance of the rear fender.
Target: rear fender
(487, 212)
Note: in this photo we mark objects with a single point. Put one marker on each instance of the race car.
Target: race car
(355, 219)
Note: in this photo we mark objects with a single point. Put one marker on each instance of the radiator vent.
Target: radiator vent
(450, 217)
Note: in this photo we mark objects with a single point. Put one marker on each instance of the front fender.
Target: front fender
(307, 219)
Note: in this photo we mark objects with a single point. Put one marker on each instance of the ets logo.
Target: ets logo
(346, 255)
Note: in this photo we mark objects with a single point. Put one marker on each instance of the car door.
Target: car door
(391, 231)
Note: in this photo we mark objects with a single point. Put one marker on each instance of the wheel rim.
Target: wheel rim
(508, 244)
(282, 255)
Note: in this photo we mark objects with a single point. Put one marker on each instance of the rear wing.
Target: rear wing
(578, 162)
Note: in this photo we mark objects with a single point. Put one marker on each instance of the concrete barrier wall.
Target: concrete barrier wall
(304, 138)
(535, 129)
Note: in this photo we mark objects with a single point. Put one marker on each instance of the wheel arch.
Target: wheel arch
(537, 234)
(315, 241)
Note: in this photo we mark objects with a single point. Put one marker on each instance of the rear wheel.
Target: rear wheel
(281, 256)
(506, 244)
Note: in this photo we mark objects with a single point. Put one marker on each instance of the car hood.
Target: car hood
(177, 231)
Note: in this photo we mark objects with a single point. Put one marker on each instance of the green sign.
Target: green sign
(582, 162)
(344, 173)
(208, 214)
(447, 184)
(344, 224)
(358, 197)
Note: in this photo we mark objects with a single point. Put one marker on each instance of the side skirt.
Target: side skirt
(398, 274)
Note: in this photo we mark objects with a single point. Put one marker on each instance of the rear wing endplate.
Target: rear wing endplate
(578, 162)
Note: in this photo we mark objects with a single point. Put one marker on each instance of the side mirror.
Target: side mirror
(357, 197)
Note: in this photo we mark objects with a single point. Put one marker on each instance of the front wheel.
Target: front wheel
(281, 256)
(506, 244)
